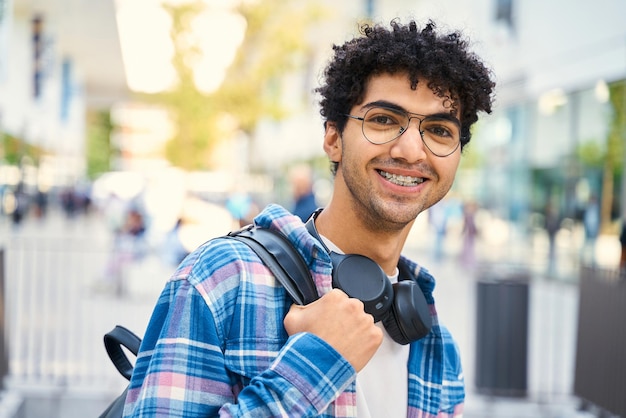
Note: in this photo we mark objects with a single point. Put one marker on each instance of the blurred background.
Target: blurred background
(132, 131)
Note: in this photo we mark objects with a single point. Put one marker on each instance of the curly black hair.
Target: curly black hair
(443, 60)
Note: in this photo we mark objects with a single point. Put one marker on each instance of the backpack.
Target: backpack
(276, 252)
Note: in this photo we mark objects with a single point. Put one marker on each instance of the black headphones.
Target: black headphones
(401, 307)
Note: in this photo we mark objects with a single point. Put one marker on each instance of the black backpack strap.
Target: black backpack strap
(279, 255)
(113, 342)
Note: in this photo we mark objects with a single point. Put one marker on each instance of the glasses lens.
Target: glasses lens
(441, 135)
(382, 125)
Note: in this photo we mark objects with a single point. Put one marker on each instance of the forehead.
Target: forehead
(396, 89)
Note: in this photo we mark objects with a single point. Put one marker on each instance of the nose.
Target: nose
(409, 145)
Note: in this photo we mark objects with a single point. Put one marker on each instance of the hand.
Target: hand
(341, 322)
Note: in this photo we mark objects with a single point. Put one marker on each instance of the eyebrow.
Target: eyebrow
(398, 108)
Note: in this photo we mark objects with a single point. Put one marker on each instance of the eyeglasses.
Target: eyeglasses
(440, 134)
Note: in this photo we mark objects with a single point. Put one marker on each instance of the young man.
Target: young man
(225, 339)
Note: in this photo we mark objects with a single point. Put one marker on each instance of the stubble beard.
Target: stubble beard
(382, 213)
(378, 213)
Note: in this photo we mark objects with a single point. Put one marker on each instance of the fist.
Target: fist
(341, 322)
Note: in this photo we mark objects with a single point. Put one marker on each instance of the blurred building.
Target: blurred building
(59, 60)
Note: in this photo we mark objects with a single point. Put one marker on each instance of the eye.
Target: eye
(440, 128)
(382, 117)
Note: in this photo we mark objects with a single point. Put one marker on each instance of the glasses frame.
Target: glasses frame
(410, 116)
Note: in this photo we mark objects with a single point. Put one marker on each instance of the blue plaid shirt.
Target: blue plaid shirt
(216, 345)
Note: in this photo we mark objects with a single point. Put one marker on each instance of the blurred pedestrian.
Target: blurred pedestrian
(41, 204)
(114, 209)
(135, 225)
(301, 179)
(129, 246)
(173, 250)
(20, 204)
(591, 226)
(470, 232)
(438, 217)
(242, 207)
(552, 224)
(69, 202)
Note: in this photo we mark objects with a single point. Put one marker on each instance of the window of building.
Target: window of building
(504, 13)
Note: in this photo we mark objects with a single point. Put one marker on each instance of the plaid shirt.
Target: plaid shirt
(216, 345)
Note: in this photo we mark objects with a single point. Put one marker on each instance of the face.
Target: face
(388, 185)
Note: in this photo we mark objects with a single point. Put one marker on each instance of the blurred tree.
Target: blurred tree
(99, 148)
(275, 43)
(14, 149)
(614, 162)
(591, 153)
(608, 159)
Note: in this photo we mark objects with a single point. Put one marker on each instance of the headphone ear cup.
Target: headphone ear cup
(361, 278)
(409, 317)
(393, 328)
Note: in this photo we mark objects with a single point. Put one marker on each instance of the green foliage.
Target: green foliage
(609, 155)
(617, 131)
(613, 160)
(99, 149)
(591, 154)
(14, 149)
(274, 45)
(471, 158)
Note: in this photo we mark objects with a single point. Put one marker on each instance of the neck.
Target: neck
(353, 236)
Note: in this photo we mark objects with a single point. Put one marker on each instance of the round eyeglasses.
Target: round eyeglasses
(440, 133)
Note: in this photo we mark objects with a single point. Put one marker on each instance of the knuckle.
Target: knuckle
(356, 304)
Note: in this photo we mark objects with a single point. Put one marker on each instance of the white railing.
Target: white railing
(57, 309)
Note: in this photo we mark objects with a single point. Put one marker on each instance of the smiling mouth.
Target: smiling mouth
(406, 181)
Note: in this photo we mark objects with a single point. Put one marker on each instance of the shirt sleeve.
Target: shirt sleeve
(453, 388)
(182, 371)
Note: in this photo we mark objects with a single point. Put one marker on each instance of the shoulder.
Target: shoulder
(221, 265)
(219, 255)
(223, 256)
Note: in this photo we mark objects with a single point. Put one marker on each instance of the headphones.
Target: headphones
(401, 307)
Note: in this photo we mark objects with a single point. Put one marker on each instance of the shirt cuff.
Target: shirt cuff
(316, 369)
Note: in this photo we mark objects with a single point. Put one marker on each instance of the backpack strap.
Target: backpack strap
(283, 260)
(113, 342)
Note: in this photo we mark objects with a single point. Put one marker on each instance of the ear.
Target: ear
(332, 142)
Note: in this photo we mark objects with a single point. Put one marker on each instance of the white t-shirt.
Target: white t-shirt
(382, 385)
